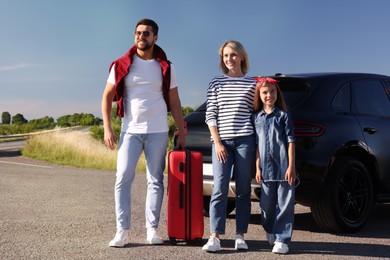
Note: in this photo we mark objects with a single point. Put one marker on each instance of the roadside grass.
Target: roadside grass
(74, 148)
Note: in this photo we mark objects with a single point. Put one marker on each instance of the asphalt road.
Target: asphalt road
(55, 212)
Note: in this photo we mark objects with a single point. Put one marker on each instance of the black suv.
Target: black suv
(342, 128)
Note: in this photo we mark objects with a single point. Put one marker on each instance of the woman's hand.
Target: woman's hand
(221, 152)
(258, 176)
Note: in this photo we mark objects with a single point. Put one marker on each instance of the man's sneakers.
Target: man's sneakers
(280, 248)
(240, 243)
(153, 238)
(212, 245)
(120, 239)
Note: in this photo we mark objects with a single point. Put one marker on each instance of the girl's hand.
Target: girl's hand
(290, 176)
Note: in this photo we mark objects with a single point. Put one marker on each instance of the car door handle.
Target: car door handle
(369, 130)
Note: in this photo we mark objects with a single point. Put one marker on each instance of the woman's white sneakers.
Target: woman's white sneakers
(240, 243)
(212, 245)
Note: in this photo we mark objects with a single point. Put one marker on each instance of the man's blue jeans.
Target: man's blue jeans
(130, 148)
(241, 153)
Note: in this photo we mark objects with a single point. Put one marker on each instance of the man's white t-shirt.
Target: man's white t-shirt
(144, 105)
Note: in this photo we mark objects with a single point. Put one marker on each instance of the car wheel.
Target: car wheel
(346, 201)
(231, 205)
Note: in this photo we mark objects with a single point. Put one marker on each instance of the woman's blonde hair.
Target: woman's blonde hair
(258, 104)
(240, 50)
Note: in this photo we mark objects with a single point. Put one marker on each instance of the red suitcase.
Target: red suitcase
(185, 196)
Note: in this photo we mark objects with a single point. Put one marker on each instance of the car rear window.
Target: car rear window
(202, 108)
(295, 91)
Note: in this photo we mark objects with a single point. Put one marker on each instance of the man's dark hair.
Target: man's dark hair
(149, 22)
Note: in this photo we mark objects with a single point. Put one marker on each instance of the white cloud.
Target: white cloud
(17, 67)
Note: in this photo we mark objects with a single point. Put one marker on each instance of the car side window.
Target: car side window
(369, 97)
(341, 101)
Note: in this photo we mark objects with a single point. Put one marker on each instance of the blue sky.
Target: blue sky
(54, 54)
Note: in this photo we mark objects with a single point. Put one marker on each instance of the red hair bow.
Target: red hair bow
(265, 79)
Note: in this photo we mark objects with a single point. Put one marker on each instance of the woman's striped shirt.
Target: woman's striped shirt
(230, 105)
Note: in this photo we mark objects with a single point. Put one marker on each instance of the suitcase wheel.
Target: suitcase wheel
(173, 241)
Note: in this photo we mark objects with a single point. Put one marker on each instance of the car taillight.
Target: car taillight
(302, 128)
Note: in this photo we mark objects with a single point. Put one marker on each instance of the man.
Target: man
(143, 82)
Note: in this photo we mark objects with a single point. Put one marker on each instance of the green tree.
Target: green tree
(6, 118)
(187, 110)
(19, 119)
(78, 119)
(97, 121)
(75, 119)
(64, 121)
(87, 119)
(43, 123)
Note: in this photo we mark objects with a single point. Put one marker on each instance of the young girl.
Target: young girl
(275, 163)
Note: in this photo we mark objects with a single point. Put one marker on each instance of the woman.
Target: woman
(228, 115)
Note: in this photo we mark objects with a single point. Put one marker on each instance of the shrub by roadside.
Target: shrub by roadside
(74, 148)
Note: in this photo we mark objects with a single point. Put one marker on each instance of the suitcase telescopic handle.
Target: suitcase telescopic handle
(181, 186)
(181, 198)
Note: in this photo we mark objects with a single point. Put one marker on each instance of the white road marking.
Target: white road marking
(27, 164)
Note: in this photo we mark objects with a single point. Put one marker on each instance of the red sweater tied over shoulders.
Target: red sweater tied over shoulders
(122, 67)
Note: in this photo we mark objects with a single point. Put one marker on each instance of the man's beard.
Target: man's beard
(145, 47)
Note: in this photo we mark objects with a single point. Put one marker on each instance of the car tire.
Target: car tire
(346, 201)
(231, 205)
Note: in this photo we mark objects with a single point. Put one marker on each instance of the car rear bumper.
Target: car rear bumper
(208, 185)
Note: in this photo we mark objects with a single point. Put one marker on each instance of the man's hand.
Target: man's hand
(109, 138)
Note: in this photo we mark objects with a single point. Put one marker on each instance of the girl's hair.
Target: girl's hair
(258, 104)
(240, 50)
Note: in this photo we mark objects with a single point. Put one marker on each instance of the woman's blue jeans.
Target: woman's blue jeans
(277, 209)
(241, 154)
(130, 148)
